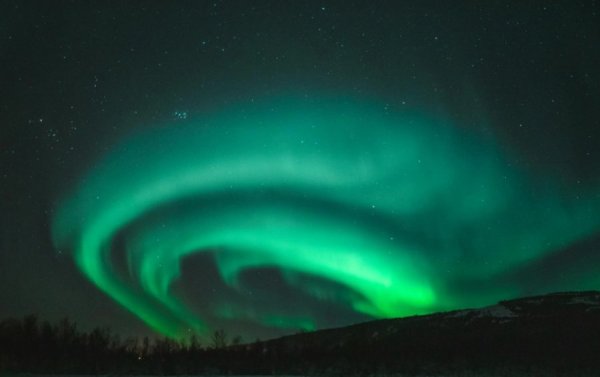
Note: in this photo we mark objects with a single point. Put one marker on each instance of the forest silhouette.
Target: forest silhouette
(552, 335)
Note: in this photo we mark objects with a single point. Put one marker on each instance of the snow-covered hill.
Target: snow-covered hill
(559, 331)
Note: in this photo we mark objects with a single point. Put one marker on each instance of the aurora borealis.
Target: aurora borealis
(173, 169)
(333, 188)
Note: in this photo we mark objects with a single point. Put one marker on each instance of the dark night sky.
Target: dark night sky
(78, 78)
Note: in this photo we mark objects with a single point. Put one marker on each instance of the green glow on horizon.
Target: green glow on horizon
(390, 206)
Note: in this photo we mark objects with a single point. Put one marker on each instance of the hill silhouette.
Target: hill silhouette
(550, 335)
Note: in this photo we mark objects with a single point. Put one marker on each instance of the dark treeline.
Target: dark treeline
(555, 336)
(29, 345)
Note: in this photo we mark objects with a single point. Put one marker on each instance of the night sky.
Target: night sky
(271, 167)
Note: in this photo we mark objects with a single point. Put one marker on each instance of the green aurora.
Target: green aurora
(392, 208)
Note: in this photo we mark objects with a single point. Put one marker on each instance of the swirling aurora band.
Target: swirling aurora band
(392, 207)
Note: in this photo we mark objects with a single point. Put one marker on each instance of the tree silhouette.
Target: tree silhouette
(219, 339)
(563, 342)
